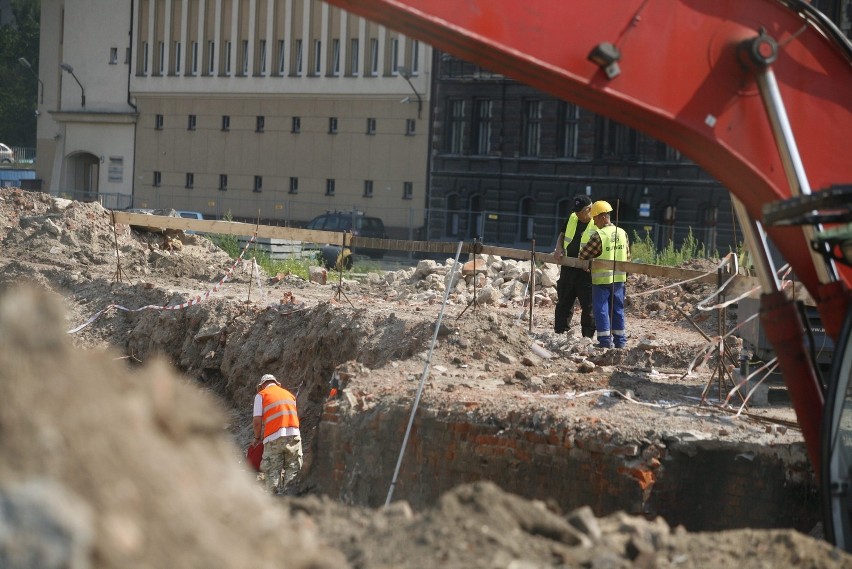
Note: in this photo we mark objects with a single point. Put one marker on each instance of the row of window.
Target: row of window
(297, 69)
(330, 185)
(295, 125)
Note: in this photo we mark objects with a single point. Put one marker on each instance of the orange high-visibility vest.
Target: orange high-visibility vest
(279, 411)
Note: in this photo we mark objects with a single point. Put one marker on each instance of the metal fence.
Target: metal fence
(24, 155)
(107, 200)
(519, 231)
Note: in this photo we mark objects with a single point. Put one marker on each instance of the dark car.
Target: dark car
(357, 224)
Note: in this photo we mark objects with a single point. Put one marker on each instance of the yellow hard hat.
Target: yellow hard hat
(600, 207)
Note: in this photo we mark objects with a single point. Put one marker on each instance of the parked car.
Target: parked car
(6, 154)
(190, 214)
(358, 224)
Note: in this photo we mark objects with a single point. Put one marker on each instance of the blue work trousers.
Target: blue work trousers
(610, 334)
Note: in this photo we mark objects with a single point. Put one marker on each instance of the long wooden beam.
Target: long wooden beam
(739, 284)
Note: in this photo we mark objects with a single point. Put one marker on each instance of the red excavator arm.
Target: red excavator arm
(757, 92)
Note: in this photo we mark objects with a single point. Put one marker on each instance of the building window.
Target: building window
(569, 121)
(481, 143)
(394, 56)
(531, 128)
(259, 124)
(145, 58)
(177, 57)
(368, 188)
(244, 71)
(261, 52)
(127, 56)
(410, 126)
(329, 187)
(158, 177)
(335, 57)
(258, 184)
(297, 125)
(158, 122)
(227, 55)
(353, 57)
(407, 190)
(455, 130)
(526, 219)
(332, 125)
(113, 55)
(226, 122)
(190, 180)
(223, 182)
(317, 57)
(298, 63)
(294, 185)
(374, 57)
(614, 140)
(194, 48)
(190, 123)
(161, 58)
(211, 57)
(415, 57)
(281, 57)
(371, 126)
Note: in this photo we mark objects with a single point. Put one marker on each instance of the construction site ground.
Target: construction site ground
(124, 439)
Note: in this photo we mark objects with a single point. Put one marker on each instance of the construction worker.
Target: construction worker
(276, 421)
(609, 243)
(574, 283)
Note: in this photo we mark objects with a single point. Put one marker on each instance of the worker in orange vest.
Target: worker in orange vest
(276, 422)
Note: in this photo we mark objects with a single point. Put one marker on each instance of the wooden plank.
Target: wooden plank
(229, 228)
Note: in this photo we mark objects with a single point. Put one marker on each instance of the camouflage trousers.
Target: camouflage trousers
(281, 462)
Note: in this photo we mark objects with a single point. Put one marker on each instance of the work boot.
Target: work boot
(604, 342)
(588, 332)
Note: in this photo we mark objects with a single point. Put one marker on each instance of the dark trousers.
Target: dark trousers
(574, 284)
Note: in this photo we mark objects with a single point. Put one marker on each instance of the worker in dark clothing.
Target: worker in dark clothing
(574, 283)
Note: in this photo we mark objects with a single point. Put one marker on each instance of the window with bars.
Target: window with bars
(223, 182)
(158, 177)
(455, 127)
(371, 126)
(296, 125)
(190, 122)
(568, 132)
(258, 184)
(332, 125)
(294, 185)
(531, 127)
(407, 190)
(329, 187)
(190, 180)
(259, 123)
(226, 122)
(158, 122)
(481, 143)
(368, 188)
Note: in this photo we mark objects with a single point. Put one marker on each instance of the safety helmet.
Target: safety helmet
(600, 207)
(267, 377)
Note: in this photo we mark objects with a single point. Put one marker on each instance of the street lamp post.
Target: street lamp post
(69, 69)
(406, 74)
(23, 61)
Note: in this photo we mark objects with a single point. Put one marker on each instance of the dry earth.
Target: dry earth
(124, 437)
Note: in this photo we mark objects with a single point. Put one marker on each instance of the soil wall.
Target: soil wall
(704, 485)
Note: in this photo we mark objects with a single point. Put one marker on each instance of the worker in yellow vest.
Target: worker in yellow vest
(574, 284)
(608, 244)
(276, 422)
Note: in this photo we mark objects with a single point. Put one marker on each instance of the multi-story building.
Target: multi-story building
(508, 159)
(278, 109)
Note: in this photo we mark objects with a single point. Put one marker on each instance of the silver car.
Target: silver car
(6, 154)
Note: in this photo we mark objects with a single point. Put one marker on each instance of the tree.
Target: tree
(19, 88)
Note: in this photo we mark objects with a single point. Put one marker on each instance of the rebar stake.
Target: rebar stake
(532, 283)
(339, 266)
(119, 274)
(477, 247)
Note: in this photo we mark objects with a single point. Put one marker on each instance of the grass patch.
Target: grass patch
(296, 266)
(643, 250)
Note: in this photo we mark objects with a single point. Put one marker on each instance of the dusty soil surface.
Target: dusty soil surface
(127, 433)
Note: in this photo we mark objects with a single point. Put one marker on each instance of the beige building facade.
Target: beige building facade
(270, 109)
